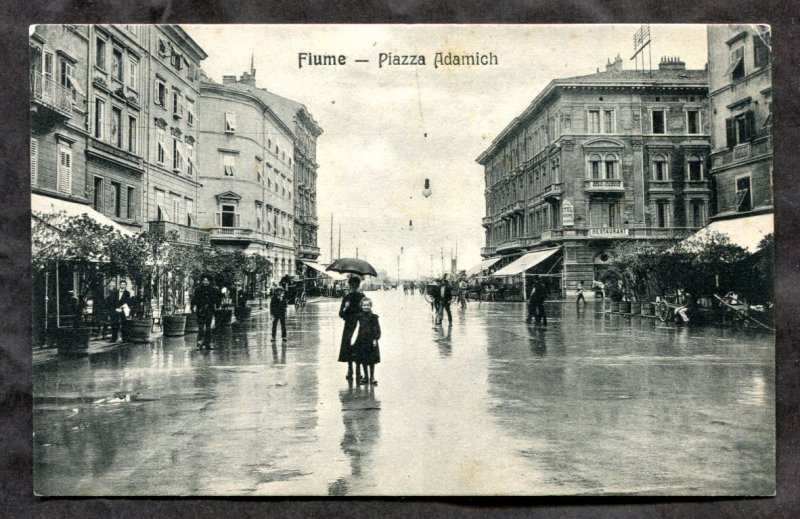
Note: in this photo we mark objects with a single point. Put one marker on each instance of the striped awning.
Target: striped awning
(526, 262)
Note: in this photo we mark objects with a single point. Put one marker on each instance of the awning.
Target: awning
(527, 261)
(321, 269)
(483, 265)
(745, 232)
(46, 204)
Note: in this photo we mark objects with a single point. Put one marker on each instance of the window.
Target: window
(230, 122)
(189, 112)
(744, 197)
(693, 121)
(608, 121)
(698, 211)
(64, 172)
(229, 164)
(161, 94)
(132, 129)
(228, 216)
(594, 166)
(161, 143)
(116, 202)
(130, 212)
(190, 212)
(594, 121)
(177, 156)
(177, 61)
(761, 48)
(163, 48)
(695, 168)
(177, 103)
(100, 53)
(161, 206)
(613, 217)
(736, 69)
(189, 159)
(34, 161)
(133, 74)
(47, 65)
(611, 171)
(67, 76)
(740, 128)
(117, 69)
(116, 127)
(658, 125)
(662, 213)
(177, 209)
(97, 200)
(660, 170)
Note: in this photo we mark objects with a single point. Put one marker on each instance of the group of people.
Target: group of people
(208, 298)
(362, 330)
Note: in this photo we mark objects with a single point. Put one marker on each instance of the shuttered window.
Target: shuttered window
(34, 162)
(64, 169)
(740, 129)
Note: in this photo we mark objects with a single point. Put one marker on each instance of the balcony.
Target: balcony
(487, 251)
(115, 152)
(513, 244)
(186, 235)
(308, 250)
(604, 186)
(49, 95)
(553, 192)
(608, 232)
(759, 147)
(513, 208)
(551, 234)
(660, 186)
(697, 186)
(239, 234)
(663, 233)
(308, 220)
(486, 221)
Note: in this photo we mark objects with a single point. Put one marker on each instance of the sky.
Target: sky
(387, 129)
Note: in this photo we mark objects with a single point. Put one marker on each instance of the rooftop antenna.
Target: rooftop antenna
(642, 39)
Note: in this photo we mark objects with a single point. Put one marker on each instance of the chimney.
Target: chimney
(228, 80)
(671, 63)
(614, 67)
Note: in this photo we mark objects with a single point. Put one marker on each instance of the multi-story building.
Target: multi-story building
(248, 187)
(740, 101)
(615, 155)
(172, 78)
(306, 131)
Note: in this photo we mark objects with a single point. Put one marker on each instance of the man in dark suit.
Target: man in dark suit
(536, 302)
(205, 300)
(443, 297)
(118, 303)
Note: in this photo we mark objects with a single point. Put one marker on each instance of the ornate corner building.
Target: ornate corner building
(619, 154)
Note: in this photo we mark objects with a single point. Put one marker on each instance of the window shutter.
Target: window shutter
(750, 124)
(218, 219)
(34, 161)
(730, 132)
(68, 172)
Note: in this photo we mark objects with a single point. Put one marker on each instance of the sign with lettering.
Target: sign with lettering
(608, 232)
(567, 214)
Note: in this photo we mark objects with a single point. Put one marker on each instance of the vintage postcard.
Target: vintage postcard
(345, 260)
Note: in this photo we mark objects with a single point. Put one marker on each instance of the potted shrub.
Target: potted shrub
(178, 265)
(81, 246)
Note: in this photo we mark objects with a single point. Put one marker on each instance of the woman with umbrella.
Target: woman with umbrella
(349, 311)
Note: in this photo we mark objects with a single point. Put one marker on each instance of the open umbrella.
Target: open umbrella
(353, 266)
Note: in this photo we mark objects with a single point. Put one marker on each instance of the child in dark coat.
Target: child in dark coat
(366, 346)
(277, 307)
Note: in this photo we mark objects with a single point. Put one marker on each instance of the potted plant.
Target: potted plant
(178, 265)
(78, 246)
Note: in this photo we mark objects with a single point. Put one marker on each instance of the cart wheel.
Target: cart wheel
(662, 310)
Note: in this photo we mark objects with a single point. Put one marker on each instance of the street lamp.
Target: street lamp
(426, 190)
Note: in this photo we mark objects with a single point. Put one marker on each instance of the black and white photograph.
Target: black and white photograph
(402, 260)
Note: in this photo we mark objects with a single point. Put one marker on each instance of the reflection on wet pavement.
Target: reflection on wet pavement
(591, 404)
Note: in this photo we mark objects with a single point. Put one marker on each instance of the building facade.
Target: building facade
(171, 76)
(247, 198)
(616, 155)
(740, 99)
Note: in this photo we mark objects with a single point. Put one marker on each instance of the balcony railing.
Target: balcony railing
(675, 233)
(486, 221)
(608, 232)
(661, 185)
(553, 190)
(696, 185)
(551, 234)
(606, 185)
(487, 251)
(186, 235)
(117, 152)
(51, 94)
(308, 249)
(231, 233)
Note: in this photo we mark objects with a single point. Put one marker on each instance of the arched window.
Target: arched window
(694, 165)
(595, 166)
(660, 169)
(611, 166)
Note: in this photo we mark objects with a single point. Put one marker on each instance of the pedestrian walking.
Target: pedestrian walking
(580, 293)
(367, 349)
(349, 311)
(442, 299)
(536, 303)
(205, 300)
(277, 308)
(118, 304)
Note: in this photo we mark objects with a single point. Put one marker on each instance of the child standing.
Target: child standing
(277, 308)
(366, 346)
